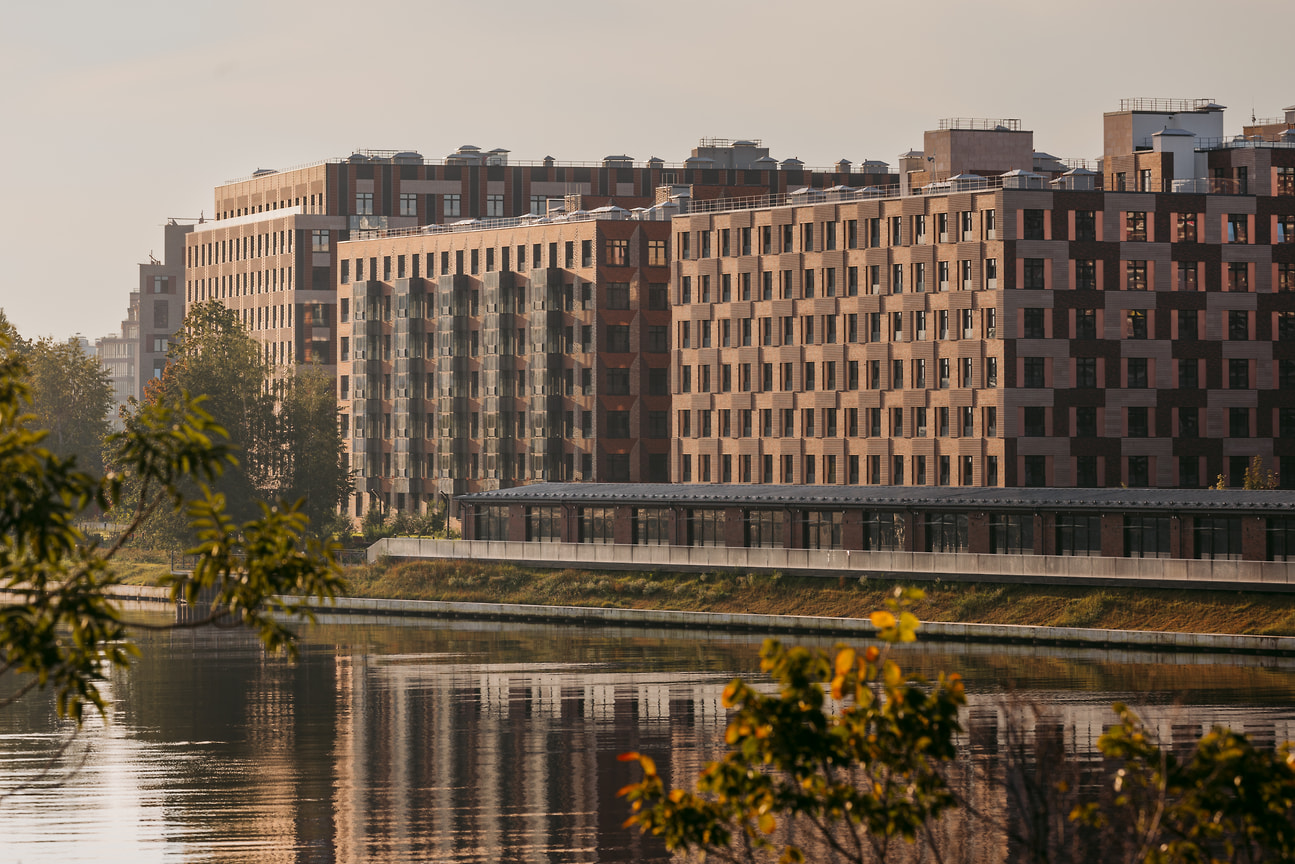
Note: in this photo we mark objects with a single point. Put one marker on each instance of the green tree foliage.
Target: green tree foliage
(71, 397)
(855, 776)
(63, 630)
(314, 453)
(1227, 801)
(290, 447)
(808, 779)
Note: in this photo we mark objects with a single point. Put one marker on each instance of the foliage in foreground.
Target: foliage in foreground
(59, 626)
(808, 779)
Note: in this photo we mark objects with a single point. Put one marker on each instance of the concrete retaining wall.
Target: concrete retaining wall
(700, 622)
(962, 566)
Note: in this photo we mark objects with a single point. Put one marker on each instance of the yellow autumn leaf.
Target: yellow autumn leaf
(649, 766)
(844, 661)
(882, 620)
(893, 675)
(837, 684)
(767, 823)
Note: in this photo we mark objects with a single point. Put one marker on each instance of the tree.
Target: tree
(71, 397)
(1227, 801)
(64, 631)
(847, 779)
(290, 447)
(313, 448)
(855, 777)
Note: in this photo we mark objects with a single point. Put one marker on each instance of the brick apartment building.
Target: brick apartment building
(271, 251)
(990, 316)
(479, 358)
(1015, 330)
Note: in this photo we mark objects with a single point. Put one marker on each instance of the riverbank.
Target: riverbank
(1122, 609)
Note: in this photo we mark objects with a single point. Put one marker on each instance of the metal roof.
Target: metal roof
(715, 495)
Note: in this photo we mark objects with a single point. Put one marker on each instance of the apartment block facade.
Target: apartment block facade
(271, 252)
(1005, 331)
(478, 358)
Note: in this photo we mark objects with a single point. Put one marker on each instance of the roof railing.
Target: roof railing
(460, 161)
(1011, 124)
(1170, 106)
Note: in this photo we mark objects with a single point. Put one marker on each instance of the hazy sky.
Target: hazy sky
(117, 115)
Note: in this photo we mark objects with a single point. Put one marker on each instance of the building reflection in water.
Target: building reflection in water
(459, 743)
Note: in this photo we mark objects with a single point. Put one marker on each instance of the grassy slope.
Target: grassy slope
(1121, 609)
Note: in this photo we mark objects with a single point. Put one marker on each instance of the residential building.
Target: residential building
(160, 302)
(118, 353)
(994, 331)
(479, 357)
(271, 251)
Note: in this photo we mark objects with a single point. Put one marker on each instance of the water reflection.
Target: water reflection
(416, 740)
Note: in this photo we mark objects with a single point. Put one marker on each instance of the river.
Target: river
(395, 740)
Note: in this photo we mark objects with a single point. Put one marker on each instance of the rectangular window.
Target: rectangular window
(1137, 372)
(1034, 278)
(618, 252)
(1137, 275)
(1086, 372)
(1238, 374)
(1238, 276)
(1085, 323)
(451, 205)
(1188, 374)
(1238, 225)
(1085, 225)
(1135, 222)
(364, 203)
(408, 204)
(1033, 323)
(1034, 376)
(1033, 224)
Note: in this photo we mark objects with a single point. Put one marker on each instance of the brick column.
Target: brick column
(1112, 535)
(623, 527)
(734, 533)
(1254, 538)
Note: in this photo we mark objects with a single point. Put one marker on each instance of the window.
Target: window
(1034, 375)
(1079, 535)
(618, 338)
(1138, 422)
(1286, 277)
(451, 205)
(1085, 371)
(618, 295)
(1035, 421)
(1146, 536)
(1237, 228)
(1034, 278)
(946, 532)
(1086, 275)
(364, 203)
(1136, 275)
(1086, 422)
(1012, 533)
(1033, 323)
(1033, 220)
(1286, 181)
(1239, 422)
(1187, 374)
(1137, 372)
(1085, 225)
(965, 229)
(1086, 472)
(1238, 325)
(1238, 276)
(1135, 222)
(408, 204)
(1286, 374)
(1238, 374)
(1085, 323)
(494, 206)
(1136, 321)
(1036, 471)
(1217, 537)
(618, 252)
(319, 240)
(1186, 224)
(897, 279)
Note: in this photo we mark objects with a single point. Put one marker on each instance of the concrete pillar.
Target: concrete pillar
(734, 529)
(623, 527)
(1254, 538)
(1112, 535)
(852, 530)
(469, 523)
(1039, 537)
(792, 529)
(978, 534)
(517, 523)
